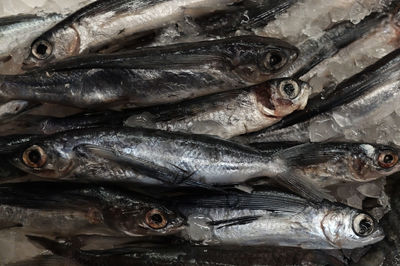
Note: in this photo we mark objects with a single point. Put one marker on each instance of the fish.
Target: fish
(321, 102)
(336, 163)
(103, 22)
(153, 76)
(146, 156)
(65, 210)
(248, 15)
(230, 113)
(313, 51)
(361, 100)
(19, 30)
(227, 114)
(176, 254)
(277, 219)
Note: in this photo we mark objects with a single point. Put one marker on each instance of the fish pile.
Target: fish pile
(198, 132)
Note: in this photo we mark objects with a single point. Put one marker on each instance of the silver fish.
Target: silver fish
(277, 219)
(362, 100)
(66, 210)
(150, 156)
(154, 75)
(232, 113)
(105, 21)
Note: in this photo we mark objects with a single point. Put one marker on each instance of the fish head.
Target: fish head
(144, 218)
(369, 161)
(347, 228)
(61, 43)
(280, 97)
(45, 159)
(264, 59)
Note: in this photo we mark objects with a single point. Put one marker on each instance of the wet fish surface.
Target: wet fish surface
(69, 209)
(103, 22)
(150, 156)
(275, 218)
(359, 100)
(187, 255)
(154, 75)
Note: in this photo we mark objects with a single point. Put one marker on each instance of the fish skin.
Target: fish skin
(235, 112)
(228, 114)
(84, 31)
(321, 102)
(155, 75)
(155, 157)
(11, 28)
(358, 98)
(303, 224)
(188, 255)
(68, 209)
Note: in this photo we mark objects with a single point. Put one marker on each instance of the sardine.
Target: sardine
(154, 157)
(187, 255)
(153, 75)
(67, 210)
(103, 22)
(276, 219)
(226, 114)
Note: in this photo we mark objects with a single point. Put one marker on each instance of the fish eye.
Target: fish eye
(42, 49)
(34, 157)
(156, 219)
(274, 61)
(363, 225)
(289, 88)
(387, 159)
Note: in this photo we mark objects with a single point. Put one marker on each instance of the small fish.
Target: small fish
(19, 30)
(363, 99)
(335, 163)
(174, 254)
(155, 75)
(276, 219)
(103, 22)
(230, 113)
(153, 157)
(67, 210)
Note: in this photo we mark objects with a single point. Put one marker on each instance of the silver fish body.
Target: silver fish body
(232, 113)
(104, 22)
(150, 156)
(154, 75)
(68, 210)
(295, 222)
(18, 30)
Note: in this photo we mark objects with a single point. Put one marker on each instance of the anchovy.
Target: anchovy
(68, 210)
(186, 255)
(155, 157)
(154, 75)
(358, 101)
(103, 22)
(276, 219)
